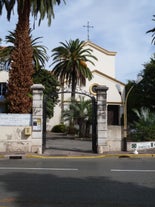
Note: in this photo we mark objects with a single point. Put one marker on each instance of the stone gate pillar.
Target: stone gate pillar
(101, 92)
(37, 118)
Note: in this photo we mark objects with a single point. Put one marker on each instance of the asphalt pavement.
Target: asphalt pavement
(109, 182)
(60, 145)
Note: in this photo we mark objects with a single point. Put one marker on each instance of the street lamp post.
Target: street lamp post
(125, 101)
(125, 120)
(125, 113)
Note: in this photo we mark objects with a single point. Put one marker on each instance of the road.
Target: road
(110, 182)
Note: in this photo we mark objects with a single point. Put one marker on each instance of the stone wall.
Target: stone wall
(114, 140)
(22, 133)
(14, 140)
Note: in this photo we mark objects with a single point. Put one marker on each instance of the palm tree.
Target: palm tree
(20, 76)
(70, 60)
(80, 112)
(152, 31)
(39, 51)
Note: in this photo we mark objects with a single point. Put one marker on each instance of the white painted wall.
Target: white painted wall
(13, 139)
(112, 93)
(132, 146)
(105, 62)
(4, 76)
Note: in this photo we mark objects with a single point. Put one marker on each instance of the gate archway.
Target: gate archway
(94, 118)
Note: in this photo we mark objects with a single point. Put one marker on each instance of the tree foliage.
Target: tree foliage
(39, 51)
(43, 9)
(152, 31)
(70, 63)
(80, 113)
(144, 128)
(50, 93)
(143, 93)
(141, 102)
(20, 75)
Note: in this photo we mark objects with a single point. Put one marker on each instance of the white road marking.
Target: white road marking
(122, 170)
(38, 168)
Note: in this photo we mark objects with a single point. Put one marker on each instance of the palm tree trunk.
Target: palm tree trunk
(81, 128)
(73, 86)
(21, 72)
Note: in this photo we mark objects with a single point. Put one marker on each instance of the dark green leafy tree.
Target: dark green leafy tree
(142, 97)
(20, 75)
(143, 93)
(70, 64)
(134, 100)
(50, 92)
(144, 128)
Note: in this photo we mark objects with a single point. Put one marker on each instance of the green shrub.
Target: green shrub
(144, 128)
(60, 128)
(72, 130)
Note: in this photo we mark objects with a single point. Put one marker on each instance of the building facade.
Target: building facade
(103, 72)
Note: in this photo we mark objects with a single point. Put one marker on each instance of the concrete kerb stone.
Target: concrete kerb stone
(35, 156)
(1, 156)
(91, 156)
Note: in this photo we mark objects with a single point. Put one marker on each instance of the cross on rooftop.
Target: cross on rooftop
(88, 26)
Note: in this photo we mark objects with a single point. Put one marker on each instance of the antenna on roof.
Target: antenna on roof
(88, 26)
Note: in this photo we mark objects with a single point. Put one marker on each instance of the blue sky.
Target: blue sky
(118, 25)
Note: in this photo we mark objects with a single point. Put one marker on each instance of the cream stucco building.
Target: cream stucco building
(103, 74)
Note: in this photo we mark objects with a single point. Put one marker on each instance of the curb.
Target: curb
(91, 156)
(34, 156)
(65, 156)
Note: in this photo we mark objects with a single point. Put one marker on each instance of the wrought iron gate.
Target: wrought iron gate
(94, 119)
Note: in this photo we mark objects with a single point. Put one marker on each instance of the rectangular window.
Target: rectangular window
(4, 65)
(3, 88)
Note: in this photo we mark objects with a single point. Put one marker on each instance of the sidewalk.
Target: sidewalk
(60, 146)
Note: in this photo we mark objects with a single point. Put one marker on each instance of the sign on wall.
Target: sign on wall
(15, 119)
(140, 145)
(37, 124)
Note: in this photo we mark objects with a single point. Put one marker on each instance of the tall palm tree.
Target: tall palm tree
(70, 60)
(152, 31)
(39, 51)
(20, 77)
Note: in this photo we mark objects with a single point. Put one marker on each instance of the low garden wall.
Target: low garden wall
(19, 135)
(22, 133)
(131, 146)
(15, 133)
